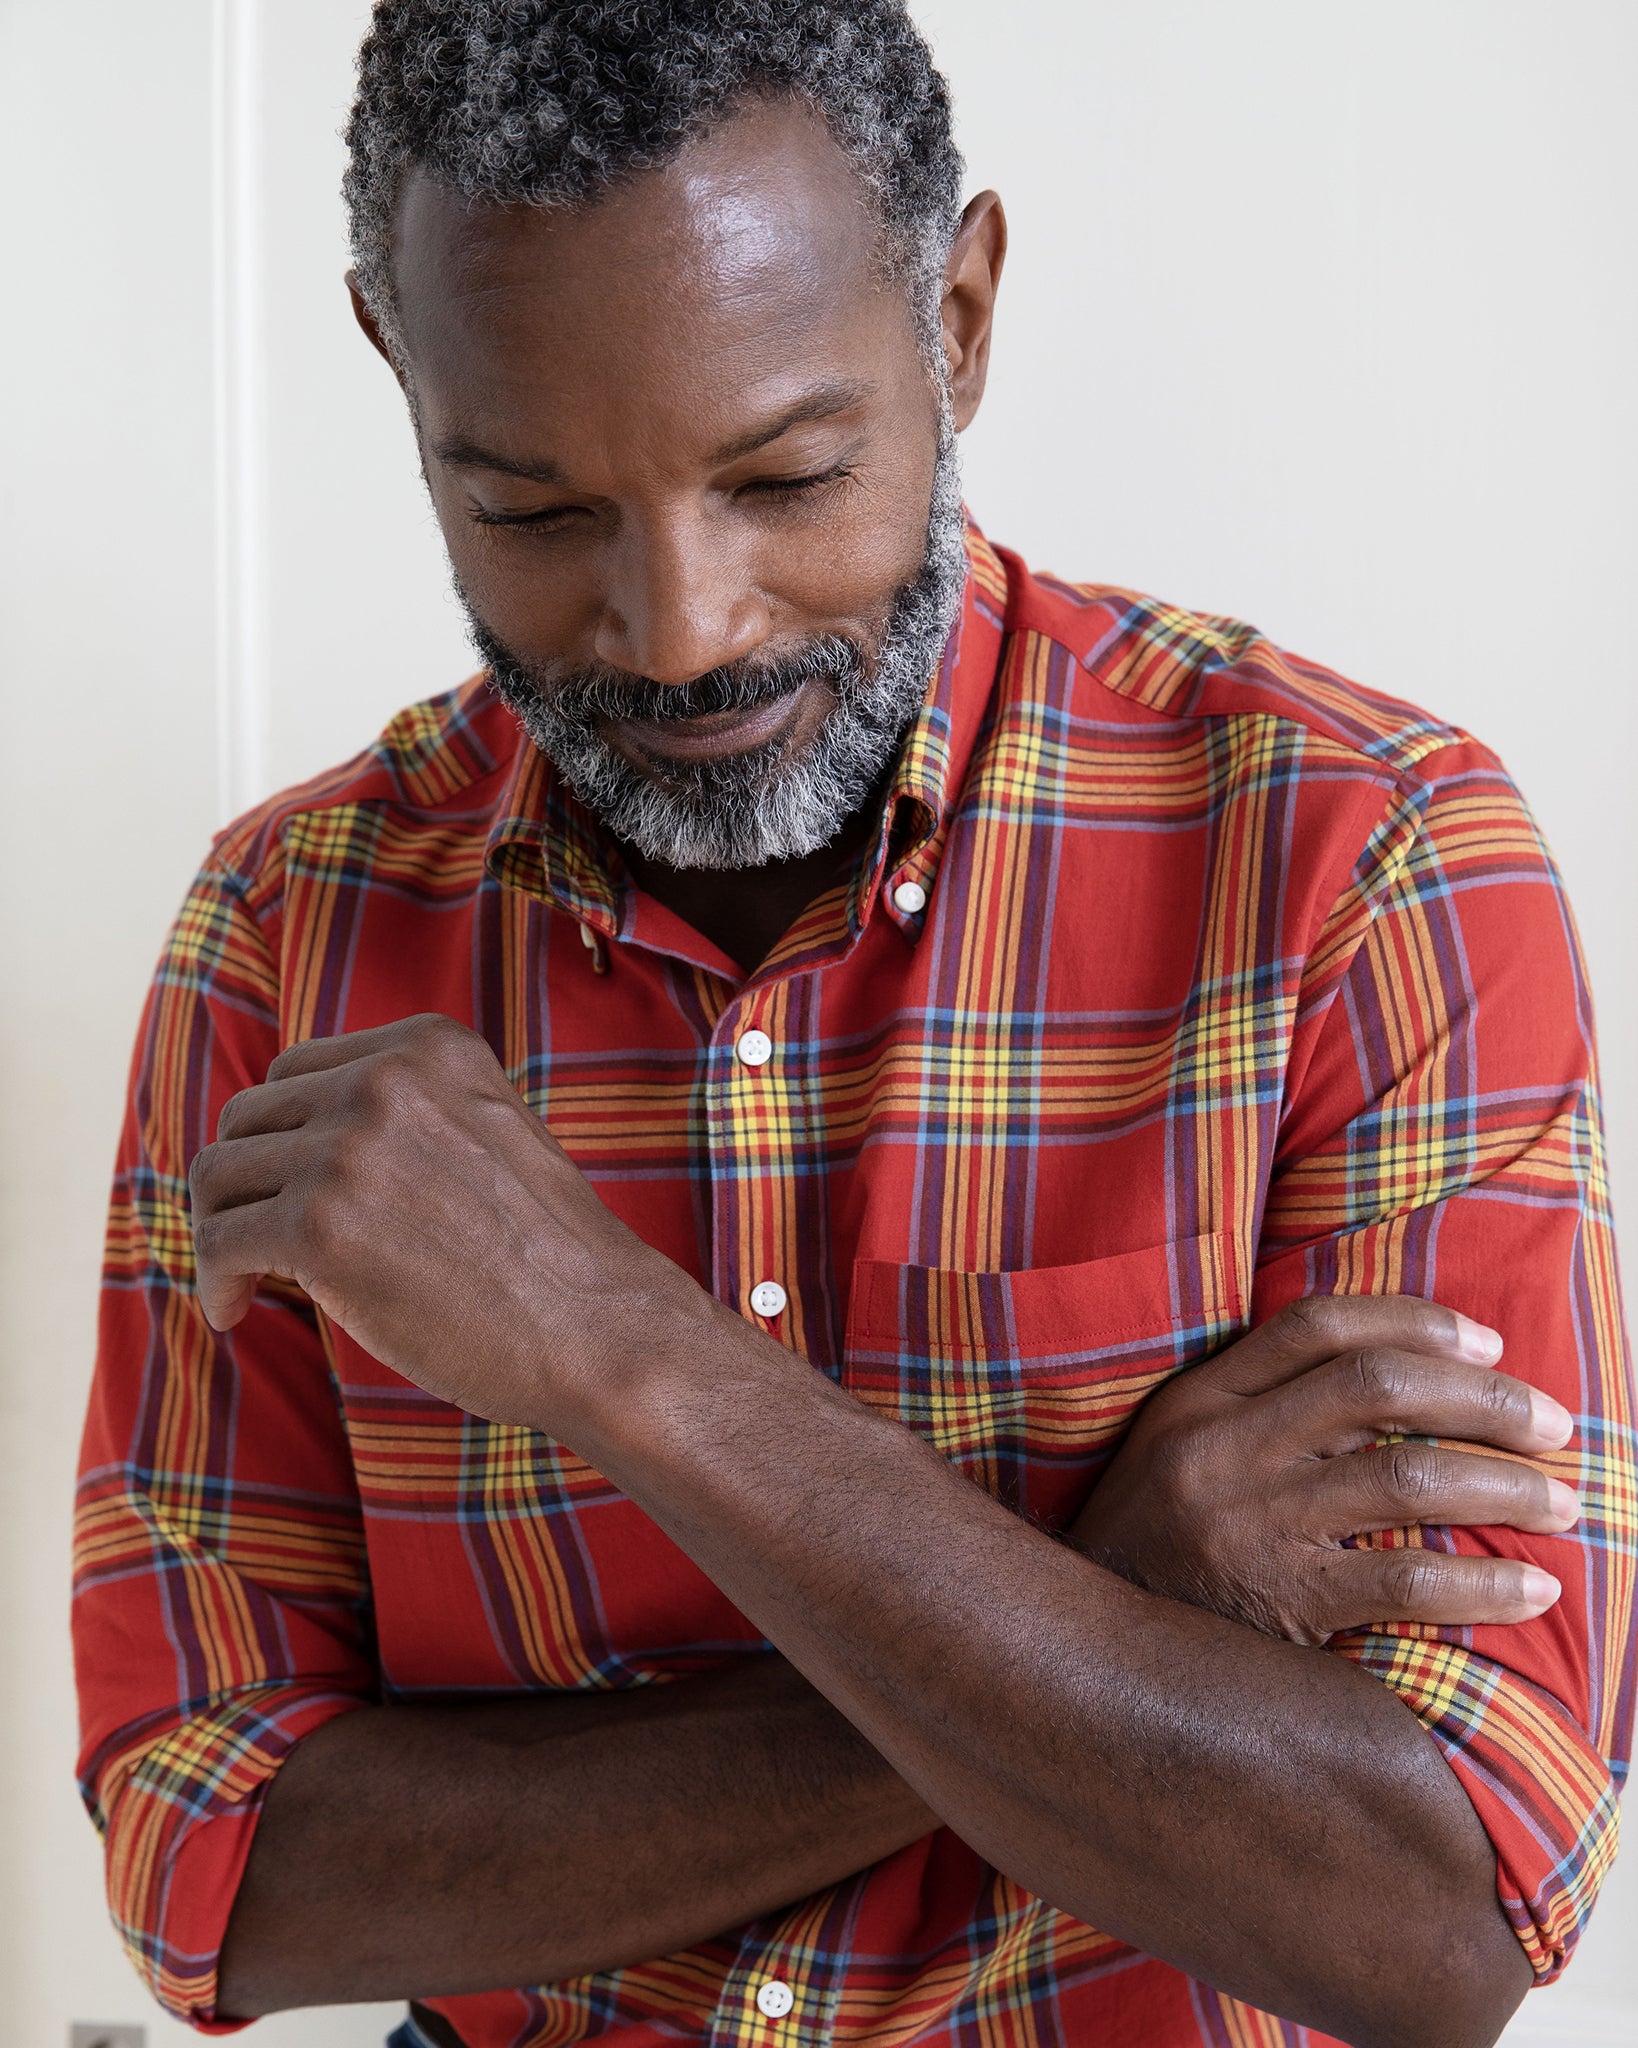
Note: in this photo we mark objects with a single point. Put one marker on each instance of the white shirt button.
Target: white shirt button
(754, 1048)
(768, 1298)
(774, 1999)
(910, 897)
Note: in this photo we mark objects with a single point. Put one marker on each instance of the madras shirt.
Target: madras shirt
(1228, 982)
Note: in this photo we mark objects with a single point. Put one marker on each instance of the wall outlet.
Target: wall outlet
(82, 2036)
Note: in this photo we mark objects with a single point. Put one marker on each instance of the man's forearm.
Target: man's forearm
(1263, 1816)
(426, 1851)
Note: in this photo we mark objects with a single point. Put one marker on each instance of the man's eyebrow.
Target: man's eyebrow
(822, 404)
(464, 454)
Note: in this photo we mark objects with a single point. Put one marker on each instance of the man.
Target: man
(659, 1469)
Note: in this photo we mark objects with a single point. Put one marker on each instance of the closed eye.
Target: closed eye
(777, 487)
(537, 522)
(794, 486)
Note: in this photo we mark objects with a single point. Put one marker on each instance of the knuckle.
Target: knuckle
(1415, 1319)
(233, 1113)
(1311, 1321)
(199, 1173)
(388, 1081)
(440, 1038)
(1409, 1578)
(355, 1156)
(1430, 1321)
(1504, 1401)
(427, 1052)
(1380, 1377)
(343, 1164)
(1409, 1475)
(322, 1228)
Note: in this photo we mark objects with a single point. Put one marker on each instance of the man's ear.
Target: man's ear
(971, 279)
(367, 320)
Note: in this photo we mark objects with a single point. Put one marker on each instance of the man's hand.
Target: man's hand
(1241, 1481)
(399, 1179)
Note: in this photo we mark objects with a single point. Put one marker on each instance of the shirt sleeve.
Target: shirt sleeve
(220, 1608)
(1441, 1137)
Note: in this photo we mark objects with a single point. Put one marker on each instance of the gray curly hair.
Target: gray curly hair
(549, 101)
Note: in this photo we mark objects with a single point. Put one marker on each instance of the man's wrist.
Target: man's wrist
(645, 1353)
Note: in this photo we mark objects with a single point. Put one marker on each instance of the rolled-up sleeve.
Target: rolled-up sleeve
(1441, 1137)
(221, 1607)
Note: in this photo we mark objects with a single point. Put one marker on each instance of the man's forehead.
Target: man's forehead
(762, 210)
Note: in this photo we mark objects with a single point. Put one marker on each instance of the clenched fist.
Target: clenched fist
(397, 1177)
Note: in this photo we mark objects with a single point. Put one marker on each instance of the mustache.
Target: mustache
(595, 695)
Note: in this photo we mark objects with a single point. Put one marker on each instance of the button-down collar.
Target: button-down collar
(548, 844)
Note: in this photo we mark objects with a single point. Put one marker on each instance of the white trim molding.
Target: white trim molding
(239, 354)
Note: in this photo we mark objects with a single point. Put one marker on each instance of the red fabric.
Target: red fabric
(1233, 982)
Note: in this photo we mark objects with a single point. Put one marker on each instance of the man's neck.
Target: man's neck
(745, 911)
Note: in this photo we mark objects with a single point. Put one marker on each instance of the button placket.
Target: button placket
(780, 1993)
(744, 1091)
(769, 1169)
(754, 1049)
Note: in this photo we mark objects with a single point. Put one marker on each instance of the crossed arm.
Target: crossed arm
(1215, 1795)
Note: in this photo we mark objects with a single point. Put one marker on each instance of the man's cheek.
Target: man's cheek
(540, 609)
(847, 573)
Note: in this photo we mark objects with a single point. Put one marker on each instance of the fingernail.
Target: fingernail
(1477, 1341)
(1540, 1589)
(1564, 1502)
(1550, 1420)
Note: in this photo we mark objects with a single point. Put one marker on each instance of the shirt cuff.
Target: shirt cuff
(179, 1834)
(1545, 1795)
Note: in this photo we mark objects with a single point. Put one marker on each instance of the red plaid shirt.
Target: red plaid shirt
(1222, 981)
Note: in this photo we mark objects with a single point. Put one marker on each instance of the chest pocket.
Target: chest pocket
(1027, 1380)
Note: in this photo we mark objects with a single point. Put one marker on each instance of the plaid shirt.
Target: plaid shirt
(1222, 981)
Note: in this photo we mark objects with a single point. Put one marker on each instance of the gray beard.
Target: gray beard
(766, 803)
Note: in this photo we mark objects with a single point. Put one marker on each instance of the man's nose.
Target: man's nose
(677, 603)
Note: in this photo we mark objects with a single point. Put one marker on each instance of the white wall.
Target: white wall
(1322, 315)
